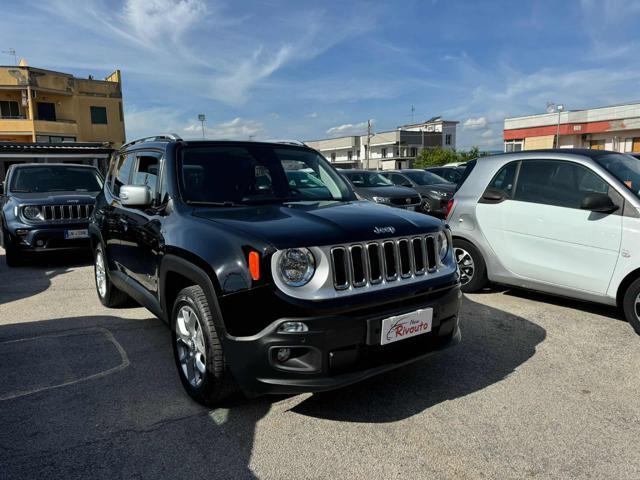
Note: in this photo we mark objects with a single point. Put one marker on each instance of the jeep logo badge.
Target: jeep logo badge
(380, 230)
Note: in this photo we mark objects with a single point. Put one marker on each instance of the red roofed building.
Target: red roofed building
(607, 128)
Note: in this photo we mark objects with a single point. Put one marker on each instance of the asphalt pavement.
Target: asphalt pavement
(540, 387)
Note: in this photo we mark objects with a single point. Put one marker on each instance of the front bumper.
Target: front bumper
(435, 206)
(338, 349)
(46, 239)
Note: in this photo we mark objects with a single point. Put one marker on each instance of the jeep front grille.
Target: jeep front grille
(68, 212)
(372, 263)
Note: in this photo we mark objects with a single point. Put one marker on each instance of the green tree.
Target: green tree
(434, 157)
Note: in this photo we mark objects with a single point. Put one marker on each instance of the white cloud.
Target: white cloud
(238, 128)
(313, 115)
(475, 123)
(348, 129)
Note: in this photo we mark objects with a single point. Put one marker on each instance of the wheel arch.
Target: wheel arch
(176, 273)
(624, 285)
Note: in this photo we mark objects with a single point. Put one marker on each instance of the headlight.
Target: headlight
(381, 200)
(32, 213)
(443, 244)
(297, 266)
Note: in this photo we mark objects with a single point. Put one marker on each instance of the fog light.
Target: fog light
(283, 354)
(40, 243)
(22, 232)
(293, 327)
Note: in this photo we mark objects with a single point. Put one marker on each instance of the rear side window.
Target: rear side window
(467, 171)
(558, 183)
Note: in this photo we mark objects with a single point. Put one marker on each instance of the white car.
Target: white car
(565, 222)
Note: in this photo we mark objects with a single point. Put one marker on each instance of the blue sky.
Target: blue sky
(307, 70)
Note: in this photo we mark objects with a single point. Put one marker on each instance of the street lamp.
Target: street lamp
(202, 119)
(553, 108)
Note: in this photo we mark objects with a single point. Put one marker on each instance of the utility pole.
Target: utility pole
(12, 51)
(559, 108)
(413, 110)
(202, 118)
(368, 152)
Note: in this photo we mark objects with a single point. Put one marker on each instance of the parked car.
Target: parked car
(46, 207)
(435, 191)
(564, 222)
(271, 289)
(450, 173)
(374, 187)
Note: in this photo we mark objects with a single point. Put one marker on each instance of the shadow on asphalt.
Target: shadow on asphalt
(37, 272)
(136, 420)
(494, 343)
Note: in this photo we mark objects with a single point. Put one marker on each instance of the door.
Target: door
(142, 237)
(119, 175)
(540, 233)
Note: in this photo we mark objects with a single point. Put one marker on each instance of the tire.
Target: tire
(473, 270)
(11, 255)
(109, 295)
(197, 349)
(629, 306)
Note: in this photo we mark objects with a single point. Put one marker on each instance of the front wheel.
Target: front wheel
(631, 305)
(197, 349)
(473, 271)
(108, 294)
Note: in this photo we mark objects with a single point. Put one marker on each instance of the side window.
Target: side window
(147, 171)
(557, 183)
(400, 180)
(504, 179)
(122, 172)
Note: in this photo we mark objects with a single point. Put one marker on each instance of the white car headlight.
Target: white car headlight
(381, 200)
(443, 244)
(297, 266)
(31, 212)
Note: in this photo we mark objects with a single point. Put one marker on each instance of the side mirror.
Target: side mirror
(135, 195)
(598, 202)
(407, 184)
(493, 195)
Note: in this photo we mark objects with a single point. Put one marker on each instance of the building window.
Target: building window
(54, 139)
(349, 155)
(9, 109)
(383, 152)
(513, 145)
(597, 145)
(447, 139)
(333, 156)
(357, 153)
(121, 111)
(413, 152)
(99, 115)
(46, 111)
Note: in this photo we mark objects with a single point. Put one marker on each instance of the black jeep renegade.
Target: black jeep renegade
(266, 284)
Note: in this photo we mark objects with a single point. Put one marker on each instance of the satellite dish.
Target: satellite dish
(551, 107)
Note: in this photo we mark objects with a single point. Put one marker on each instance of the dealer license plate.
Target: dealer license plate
(405, 326)
(411, 209)
(75, 234)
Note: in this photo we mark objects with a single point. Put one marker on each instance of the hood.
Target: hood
(388, 192)
(448, 188)
(53, 198)
(318, 224)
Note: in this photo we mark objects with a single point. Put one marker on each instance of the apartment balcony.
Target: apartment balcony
(24, 126)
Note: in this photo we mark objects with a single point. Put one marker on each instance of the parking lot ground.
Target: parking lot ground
(539, 388)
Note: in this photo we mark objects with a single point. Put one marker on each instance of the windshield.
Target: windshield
(625, 168)
(367, 179)
(55, 178)
(425, 178)
(257, 173)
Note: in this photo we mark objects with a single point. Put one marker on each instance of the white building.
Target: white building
(614, 128)
(390, 149)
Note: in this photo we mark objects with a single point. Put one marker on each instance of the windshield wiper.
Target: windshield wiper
(21, 190)
(213, 204)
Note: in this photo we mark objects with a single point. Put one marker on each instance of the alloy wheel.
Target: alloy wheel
(101, 275)
(465, 264)
(190, 345)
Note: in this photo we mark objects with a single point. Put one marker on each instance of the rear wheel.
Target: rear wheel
(473, 271)
(631, 305)
(109, 295)
(197, 349)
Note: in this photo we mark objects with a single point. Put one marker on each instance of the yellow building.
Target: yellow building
(39, 105)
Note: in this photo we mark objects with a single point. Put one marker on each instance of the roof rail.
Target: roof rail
(167, 137)
(286, 141)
